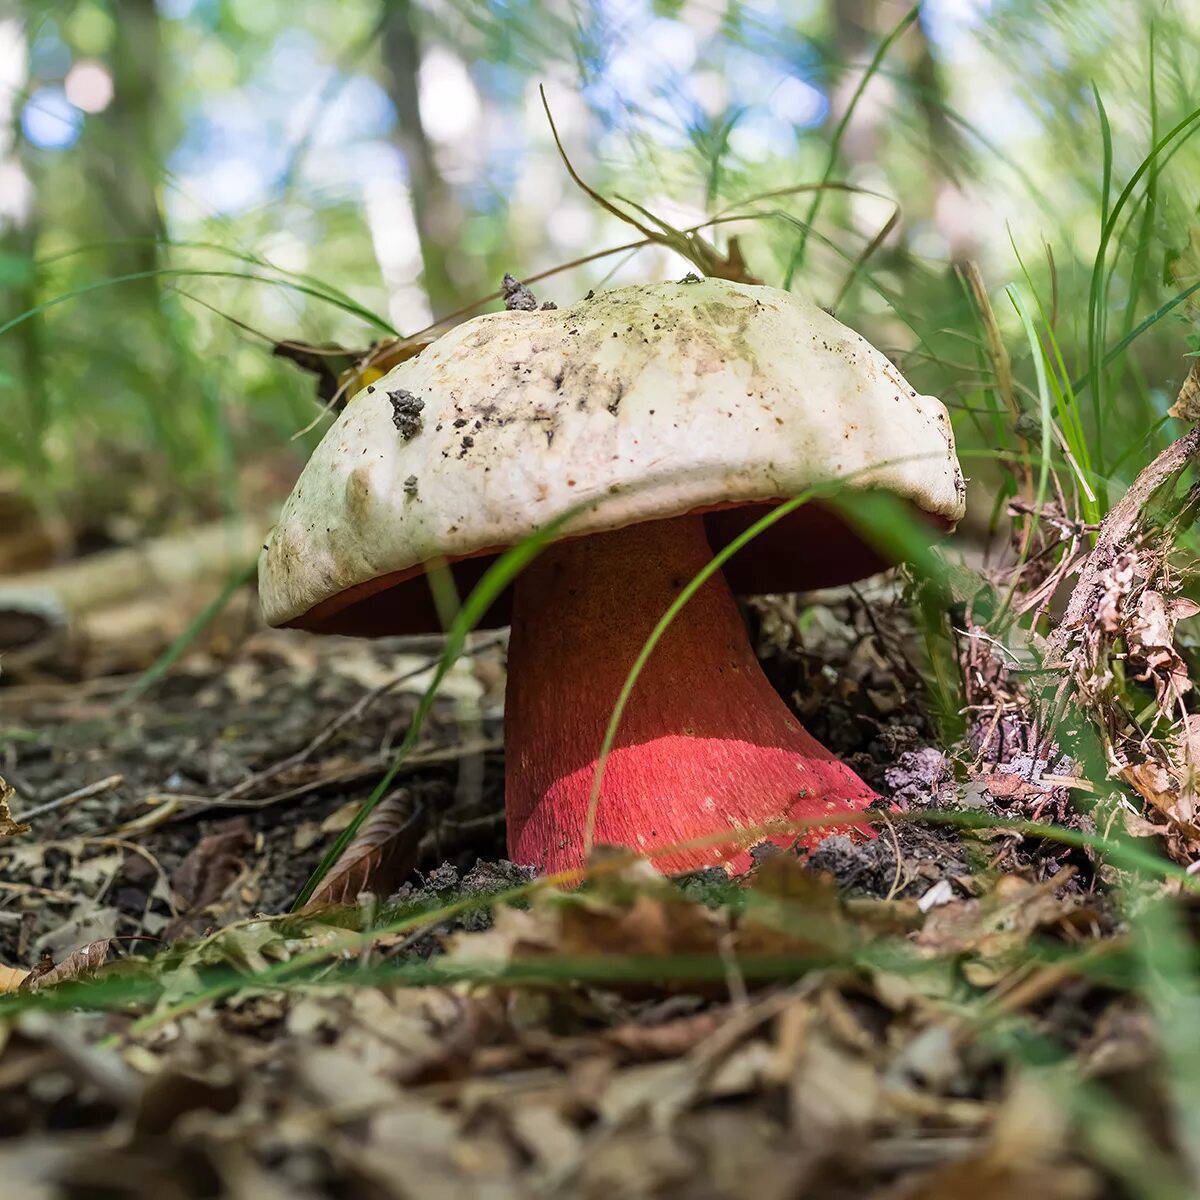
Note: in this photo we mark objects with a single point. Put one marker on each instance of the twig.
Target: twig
(83, 793)
(198, 805)
(355, 711)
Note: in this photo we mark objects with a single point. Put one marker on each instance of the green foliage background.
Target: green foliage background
(1001, 133)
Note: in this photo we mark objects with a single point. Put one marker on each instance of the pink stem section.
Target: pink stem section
(706, 747)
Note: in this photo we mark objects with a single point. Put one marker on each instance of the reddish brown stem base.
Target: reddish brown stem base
(706, 747)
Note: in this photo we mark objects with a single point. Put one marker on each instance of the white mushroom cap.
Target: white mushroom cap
(653, 400)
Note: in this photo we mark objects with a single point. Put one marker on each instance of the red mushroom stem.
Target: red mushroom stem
(705, 747)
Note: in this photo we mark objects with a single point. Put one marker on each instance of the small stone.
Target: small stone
(516, 295)
(406, 413)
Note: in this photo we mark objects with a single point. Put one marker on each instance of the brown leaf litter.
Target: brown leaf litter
(1120, 624)
(842, 1082)
(381, 855)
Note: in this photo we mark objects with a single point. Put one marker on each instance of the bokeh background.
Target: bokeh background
(183, 182)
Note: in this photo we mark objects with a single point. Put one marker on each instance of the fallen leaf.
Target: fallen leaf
(1150, 635)
(11, 978)
(84, 961)
(382, 854)
(1008, 786)
(671, 1039)
(1187, 403)
(1153, 783)
(341, 817)
(8, 826)
(342, 373)
(1137, 826)
(213, 864)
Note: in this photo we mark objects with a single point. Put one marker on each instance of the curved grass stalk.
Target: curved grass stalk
(351, 307)
(835, 143)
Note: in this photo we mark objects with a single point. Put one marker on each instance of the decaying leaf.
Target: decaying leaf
(1187, 403)
(8, 826)
(1152, 783)
(992, 933)
(11, 978)
(378, 361)
(83, 962)
(1151, 639)
(382, 854)
(343, 373)
(1010, 786)
(213, 864)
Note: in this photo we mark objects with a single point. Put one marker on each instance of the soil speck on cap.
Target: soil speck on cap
(406, 413)
(691, 277)
(410, 486)
(517, 295)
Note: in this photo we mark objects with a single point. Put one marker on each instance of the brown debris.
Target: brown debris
(9, 827)
(1121, 619)
(1187, 404)
(380, 857)
(838, 1083)
(215, 862)
(85, 961)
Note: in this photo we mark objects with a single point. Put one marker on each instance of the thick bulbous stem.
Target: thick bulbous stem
(706, 749)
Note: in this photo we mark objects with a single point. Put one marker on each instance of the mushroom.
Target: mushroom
(683, 412)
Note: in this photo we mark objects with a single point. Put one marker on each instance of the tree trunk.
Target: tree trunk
(130, 151)
(447, 279)
(25, 343)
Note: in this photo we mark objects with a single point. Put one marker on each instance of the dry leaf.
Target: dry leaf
(671, 1039)
(378, 361)
(1009, 786)
(8, 826)
(382, 854)
(213, 864)
(11, 978)
(1151, 639)
(1187, 404)
(1153, 783)
(84, 961)
(342, 373)
(1137, 825)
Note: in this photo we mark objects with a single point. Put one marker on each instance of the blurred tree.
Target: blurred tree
(126, 160)
(22, 367)
(447, 273)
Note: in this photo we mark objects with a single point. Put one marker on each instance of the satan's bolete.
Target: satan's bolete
(685, 411)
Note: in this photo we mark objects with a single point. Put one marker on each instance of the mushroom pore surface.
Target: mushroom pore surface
(706, 748)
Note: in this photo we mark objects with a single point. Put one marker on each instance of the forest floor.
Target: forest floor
(916, 1016)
